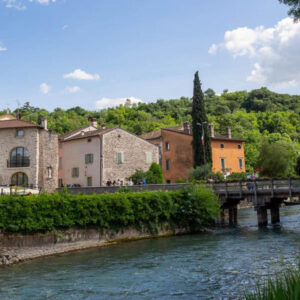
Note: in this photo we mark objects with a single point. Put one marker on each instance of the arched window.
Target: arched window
(19, 158)
(19, 179)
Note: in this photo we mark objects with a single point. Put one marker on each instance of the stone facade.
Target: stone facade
(134, 151)
(104, 145)
(42, 147)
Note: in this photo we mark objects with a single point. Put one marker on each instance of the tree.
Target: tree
(155, 174)
(295, 8)
(276, 159)
(297, 168)
(201, 139)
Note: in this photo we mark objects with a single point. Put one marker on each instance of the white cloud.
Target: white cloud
(81, 75)
(213, 49)
(73, 89)
(273, 51)
(45, 88)
(21, 4)
(65, 27)
(112, 102)
(2, 48)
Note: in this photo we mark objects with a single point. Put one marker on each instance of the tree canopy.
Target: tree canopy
(201, 139)
(254, 116)
(295, 8)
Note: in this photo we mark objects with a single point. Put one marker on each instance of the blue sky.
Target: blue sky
(66, 53)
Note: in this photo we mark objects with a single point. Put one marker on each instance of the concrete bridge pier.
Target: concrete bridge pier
(262, 216)
(275, 213)
(232, 215)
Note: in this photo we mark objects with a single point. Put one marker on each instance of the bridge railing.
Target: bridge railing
(270, 186)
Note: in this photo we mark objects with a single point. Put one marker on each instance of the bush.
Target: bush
(146, 211)
(153, 176)
(237, 176)
(200, 173)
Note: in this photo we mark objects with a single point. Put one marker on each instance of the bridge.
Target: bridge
(264, 194)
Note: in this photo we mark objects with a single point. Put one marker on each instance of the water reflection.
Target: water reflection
(211, 266)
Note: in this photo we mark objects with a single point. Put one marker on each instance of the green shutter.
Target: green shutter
(120, 157)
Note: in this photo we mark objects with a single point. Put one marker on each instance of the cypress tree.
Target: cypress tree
(199, 117)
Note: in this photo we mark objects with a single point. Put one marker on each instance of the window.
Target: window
(19, 179)
(168, 181)
(49, 172)
(239, 147)
(60, 163)
(241, 163)
(223, 164)
(148, 157)
(19, 158)
(167, 164)
(120, 157)
(60, 182)
(75, 172)
(222, 146)
(19, 133)
(90, 181)
(167, 146)
(89, 158)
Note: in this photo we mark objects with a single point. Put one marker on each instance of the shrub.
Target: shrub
(191, 208)
(153, 176)
(200, 173)
(237, 176)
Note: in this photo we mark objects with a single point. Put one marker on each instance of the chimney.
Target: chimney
(187, 127)
(45, 123)
(212, 130)
(103, 126)
(228, 131)
(93, 122)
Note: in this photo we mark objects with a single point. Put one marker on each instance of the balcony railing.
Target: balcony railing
(18, 163)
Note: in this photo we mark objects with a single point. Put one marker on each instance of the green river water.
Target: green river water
(221, 265)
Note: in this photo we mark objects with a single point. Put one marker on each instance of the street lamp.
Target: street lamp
(203, 144)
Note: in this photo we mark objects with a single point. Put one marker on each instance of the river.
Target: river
(222, 265)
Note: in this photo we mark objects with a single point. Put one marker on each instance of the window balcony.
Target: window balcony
(19, 163)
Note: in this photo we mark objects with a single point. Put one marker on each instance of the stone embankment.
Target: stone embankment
(16, 248)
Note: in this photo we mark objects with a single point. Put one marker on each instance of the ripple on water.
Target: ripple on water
(221, 265)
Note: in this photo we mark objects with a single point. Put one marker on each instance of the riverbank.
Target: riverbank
(34, 226)
(26, 247)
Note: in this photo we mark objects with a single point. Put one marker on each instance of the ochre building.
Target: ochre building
(176, 152)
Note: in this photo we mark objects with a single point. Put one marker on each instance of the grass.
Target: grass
(285, 287)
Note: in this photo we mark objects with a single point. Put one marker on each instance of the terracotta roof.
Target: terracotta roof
(86, 134)
(225, 138)
(6, 124)
(64, 135)
(178, 129)
(151, 135)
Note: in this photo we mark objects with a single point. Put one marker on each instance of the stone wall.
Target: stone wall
(134, 151)
(48, 158)
(15, 247)
(29, 141)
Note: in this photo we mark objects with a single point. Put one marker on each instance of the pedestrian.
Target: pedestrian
(118, 182)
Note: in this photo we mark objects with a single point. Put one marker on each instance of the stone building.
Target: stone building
(28, 154)
(90, 156)
(176, 151)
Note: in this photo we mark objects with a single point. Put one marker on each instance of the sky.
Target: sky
(98, 53)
